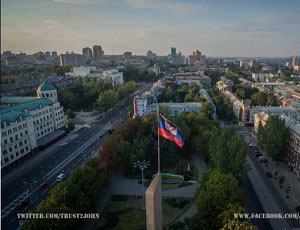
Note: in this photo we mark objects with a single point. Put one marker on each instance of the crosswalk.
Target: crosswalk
(8, 209)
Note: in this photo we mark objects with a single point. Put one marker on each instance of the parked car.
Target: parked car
(258, 155)
(263, 159)
(60, 177)
(22, 204)
(63, 143)
(269, 174)
(43, 185)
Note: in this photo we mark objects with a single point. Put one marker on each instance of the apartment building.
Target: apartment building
(26, 122)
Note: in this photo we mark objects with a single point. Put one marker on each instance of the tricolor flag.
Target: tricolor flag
(170, 131)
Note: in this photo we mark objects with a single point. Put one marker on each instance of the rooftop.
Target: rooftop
(31, 105)
(46, 87)
(16, 100)
(13, 116)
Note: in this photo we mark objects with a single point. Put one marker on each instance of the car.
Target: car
(63, 143)
(43, 185)
(269, 174)
(263, 159)
(22, 204)
(60, 177)
(258, 155)
(122, 120)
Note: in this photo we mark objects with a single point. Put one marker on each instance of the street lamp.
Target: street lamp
(142, 165)
(30, 185)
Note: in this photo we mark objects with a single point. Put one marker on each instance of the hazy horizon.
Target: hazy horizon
(269, 28)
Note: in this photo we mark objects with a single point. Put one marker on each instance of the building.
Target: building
(273, 110)
(293, 149)
(259, 77)
(151, 55)
(252, 63)
(88, 54)
(54, 54)
(98, 53)
(72, 59)
(154, 69)
(82, 71)
(175, 109)
(294, 60)
(127, 55)
(197, 59)
(28, 123)
(206, 95)
(115, 76)
(173, 52)
(259, 118)
(189, 78)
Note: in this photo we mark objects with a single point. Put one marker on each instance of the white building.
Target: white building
(175, 108)
(273, 110)
(115, 76)
(206, 95)
(25, 124)
(82, 71)
(259, 77)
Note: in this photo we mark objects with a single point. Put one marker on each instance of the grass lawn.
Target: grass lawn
(132, 216)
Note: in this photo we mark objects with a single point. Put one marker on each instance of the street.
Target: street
(62, 159)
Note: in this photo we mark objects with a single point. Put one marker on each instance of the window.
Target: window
(6, 160)
(11, 139)
(10, 149)
(21, 144)
(25, 132)
(25, 141)
(17, 154)
(16, 146)
(26, 148)
(22, 151)
(5, 141)
(4, 152)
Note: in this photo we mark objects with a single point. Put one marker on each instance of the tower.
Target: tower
(47, 90)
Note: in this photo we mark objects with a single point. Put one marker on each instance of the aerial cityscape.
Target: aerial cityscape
(157, 114)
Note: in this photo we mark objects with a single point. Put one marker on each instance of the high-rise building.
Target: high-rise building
(87, 53)
(54, 54)
(127, 55)
(97, 52)
(71, 59)
(173, 52)
(294, 60)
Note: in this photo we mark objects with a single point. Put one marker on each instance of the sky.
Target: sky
(261, 28)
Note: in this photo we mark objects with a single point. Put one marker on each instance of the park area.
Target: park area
(126, 212)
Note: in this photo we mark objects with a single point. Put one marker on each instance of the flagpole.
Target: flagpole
(158, 145)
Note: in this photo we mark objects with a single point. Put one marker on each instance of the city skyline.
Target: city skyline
(269, 28)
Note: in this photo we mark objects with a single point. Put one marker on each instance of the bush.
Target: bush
(297, 208)
(119, 197)
(172, 202)
(112, 220)
(281, 179)
(182, 203)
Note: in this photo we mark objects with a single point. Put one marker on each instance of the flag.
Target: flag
(170, 131)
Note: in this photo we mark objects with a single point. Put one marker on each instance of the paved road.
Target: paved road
(267, 194)
(62, 159)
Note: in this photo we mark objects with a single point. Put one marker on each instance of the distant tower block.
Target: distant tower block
(154, 205)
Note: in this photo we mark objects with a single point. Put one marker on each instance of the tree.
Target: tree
(217, 191)
(236, 224)
(228, 153)
(70, 114)
(275, 137)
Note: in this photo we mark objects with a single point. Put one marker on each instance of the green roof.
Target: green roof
(46, 87)
(31, 105)
(17, 100)
(13, 116)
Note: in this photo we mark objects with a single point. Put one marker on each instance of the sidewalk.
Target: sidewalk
(290, 179)
(125, 186)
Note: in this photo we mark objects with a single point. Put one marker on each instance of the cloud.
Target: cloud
(167, 5)
(50, 22)
(79, 2)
